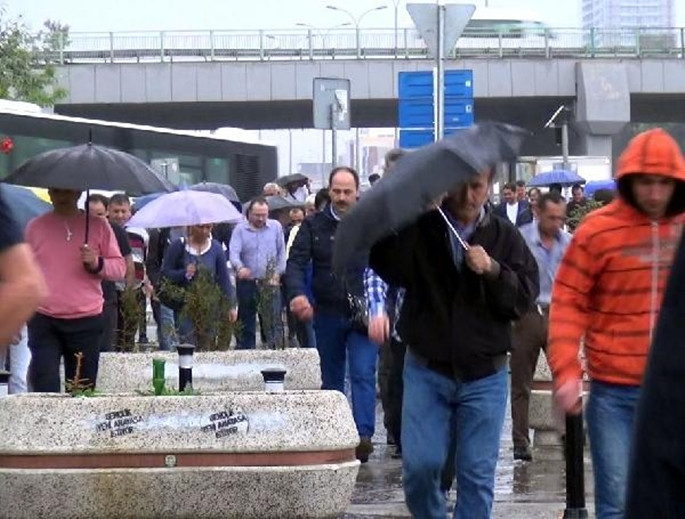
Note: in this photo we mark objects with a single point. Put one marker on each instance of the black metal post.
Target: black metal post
(575, 470)
(185, 366)
(274, 379)
(4, 382)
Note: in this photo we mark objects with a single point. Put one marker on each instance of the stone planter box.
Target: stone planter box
(235, 455)
(234, 370)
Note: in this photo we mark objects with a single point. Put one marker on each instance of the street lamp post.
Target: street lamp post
(357, 20)
(396, 3)
(319, 32)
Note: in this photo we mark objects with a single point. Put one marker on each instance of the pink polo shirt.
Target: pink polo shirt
(73, 292)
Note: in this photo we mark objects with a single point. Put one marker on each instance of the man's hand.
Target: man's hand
(148, 289)
(379, 328)
(301, 308)
(275, 280)
(232, 315)
(478, 260)
(191, 269)
(567, 396)
(89, 257)
(244, 273)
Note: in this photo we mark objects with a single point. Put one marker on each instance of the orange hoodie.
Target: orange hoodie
(609, 286)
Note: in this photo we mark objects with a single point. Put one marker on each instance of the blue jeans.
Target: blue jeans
(335, 340)
(610, 415)
(247, 294)
(434, 408)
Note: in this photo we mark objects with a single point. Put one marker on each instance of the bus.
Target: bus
(181, 156)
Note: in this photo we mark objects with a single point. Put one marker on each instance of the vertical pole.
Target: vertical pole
(323, 159)
(334, 135)
(439, 87)
(357, 152)
(211, 45)
(111, 47)
(564, 144)
(359, 50)
(290, 150)
(575, 475)
(397, 5)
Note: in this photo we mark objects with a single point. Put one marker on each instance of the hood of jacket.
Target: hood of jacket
(653, 152)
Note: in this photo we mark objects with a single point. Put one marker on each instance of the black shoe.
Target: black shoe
(390, 439)
(523, 453)
(364, 449)
(397, 455)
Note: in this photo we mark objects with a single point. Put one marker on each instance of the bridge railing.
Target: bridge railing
(314, 44)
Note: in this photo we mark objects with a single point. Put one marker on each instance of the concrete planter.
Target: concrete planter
(234, 370)
(237, 455)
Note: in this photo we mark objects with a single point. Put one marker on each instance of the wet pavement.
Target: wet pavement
(523, 490)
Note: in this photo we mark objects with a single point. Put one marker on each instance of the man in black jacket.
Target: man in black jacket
(336, 336)
(456, 322)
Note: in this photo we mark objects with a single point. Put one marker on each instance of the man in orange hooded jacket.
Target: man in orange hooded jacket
(608, 292)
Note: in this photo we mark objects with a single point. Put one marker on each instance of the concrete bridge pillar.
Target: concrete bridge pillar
(603, 104)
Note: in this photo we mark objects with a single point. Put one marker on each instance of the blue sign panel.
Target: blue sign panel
(417, 138)
(458, 83)
(418, 113)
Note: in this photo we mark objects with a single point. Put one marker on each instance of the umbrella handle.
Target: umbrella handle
(463, 243)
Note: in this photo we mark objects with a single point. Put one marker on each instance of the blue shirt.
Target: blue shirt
(255, 248)
(465, 232)
(548, 260)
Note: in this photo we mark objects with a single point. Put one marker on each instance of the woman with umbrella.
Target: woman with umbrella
(182, 263)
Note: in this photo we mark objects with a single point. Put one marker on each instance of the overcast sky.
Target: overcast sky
(133, 15)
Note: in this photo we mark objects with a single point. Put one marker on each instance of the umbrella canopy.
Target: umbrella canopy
(183, 208)
(89, 167)
(24, 204)
(277, 202)
(595, 185)
(558, 176)
(417, 180)
(220, 189)
(295, 178)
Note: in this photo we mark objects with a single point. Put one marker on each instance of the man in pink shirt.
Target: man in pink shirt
(69, 321)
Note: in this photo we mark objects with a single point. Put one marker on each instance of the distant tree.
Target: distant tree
(27, 61)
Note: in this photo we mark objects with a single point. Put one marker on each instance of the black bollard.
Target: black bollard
(185, 366)
(575, 470)
(4, 383)
(274, 379)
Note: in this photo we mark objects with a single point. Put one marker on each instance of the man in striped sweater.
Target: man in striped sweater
(607, 293)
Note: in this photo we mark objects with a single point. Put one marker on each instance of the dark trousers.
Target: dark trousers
(51, 338)
(530, 336)
(110, 316)
(126, 338)
(248, 293)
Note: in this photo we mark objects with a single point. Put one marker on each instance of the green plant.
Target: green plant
(169, 391)
(132, 314)
(267, 292)
(581, 211)
(78, 386)
(207, 308)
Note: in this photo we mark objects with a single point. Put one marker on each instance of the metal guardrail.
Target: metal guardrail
(313, 44)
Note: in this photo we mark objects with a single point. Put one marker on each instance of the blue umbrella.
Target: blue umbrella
(183, 208)
(557, 176)
(595, 185)
(24, 204)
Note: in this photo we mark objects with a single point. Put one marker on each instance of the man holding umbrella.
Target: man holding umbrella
(69, 321)
(467, 275)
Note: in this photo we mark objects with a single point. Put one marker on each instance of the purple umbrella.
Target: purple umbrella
(184, 208)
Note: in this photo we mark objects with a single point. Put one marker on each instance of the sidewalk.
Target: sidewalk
(522, 490)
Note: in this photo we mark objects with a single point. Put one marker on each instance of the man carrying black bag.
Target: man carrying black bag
(337, 321)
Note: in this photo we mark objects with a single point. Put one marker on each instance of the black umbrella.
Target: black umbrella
(87, 167)
(277, 202)
(298, 178)
(657, 467)
(220, 189)
(418, 179)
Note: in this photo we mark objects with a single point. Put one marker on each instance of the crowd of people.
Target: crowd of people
(435, 301)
